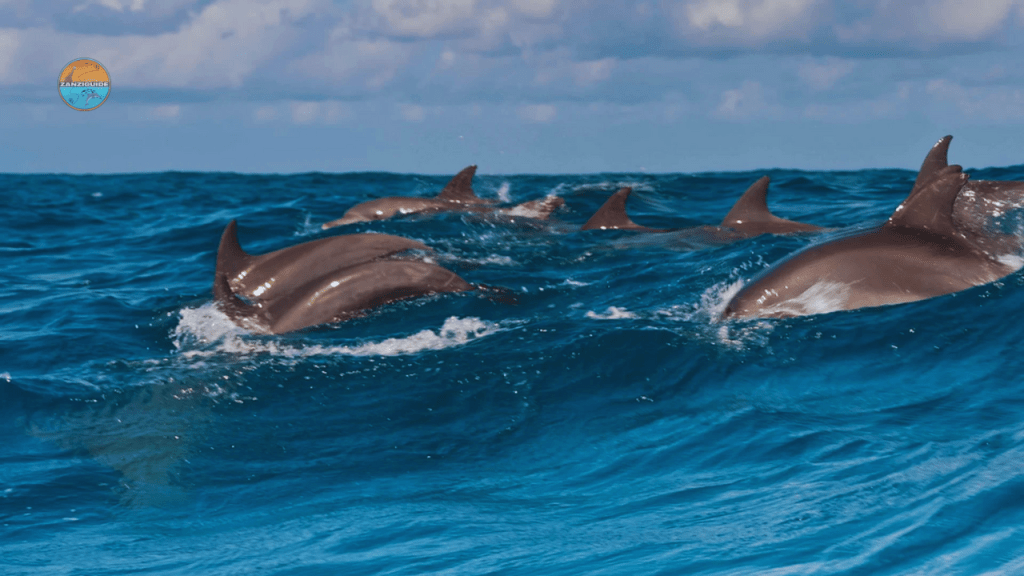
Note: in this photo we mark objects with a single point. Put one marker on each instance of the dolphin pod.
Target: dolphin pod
(322, 281)
(748, 217)
(456, 196)
(928, 247)
(920, 252)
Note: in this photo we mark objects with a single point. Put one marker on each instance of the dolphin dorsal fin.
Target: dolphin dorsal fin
(936, 160)
(231, 259)
(931, 207)
(752, 206)
(460, 188)
(612, 214)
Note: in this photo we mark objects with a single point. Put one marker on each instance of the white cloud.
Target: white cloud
(412, 112)
(742, 102)
(220, 47)
(265, 113)
(312, 112)
(538, 113)
(709, 13)
(305, 112)
(754, 18)
(446, 59)
(426, 18)
(335, 111)
(968, 20)
(167, 112)
(116, 5)
(994, 103)
(534, 8)
(8, 49)
(823, 74)
(345, 61)
(585, 73)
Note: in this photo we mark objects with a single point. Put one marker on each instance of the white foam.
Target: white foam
(536, 210)
(612, 313)
(308, 228)
(206, 331)
(712, 304)
(609, 185)
(492, 260)
(503, 195)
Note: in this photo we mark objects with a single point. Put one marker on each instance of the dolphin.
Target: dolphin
(319, 298)
(978, 201)
(262, 277)
(919, 253)
(748, 217)
(457, 196)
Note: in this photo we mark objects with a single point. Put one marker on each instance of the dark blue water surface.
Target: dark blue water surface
(598, 419)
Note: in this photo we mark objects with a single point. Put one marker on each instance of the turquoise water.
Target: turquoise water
(79, 97)
(601, 421)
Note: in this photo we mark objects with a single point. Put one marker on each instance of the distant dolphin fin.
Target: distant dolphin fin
(936, 160)
(931, 207)
(231, 259)
(751, 212)
(752, 206)
(460, 188)
(612, 214)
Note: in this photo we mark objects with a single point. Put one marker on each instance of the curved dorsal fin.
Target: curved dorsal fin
(231, 259)
(936, 160)
(931, 207)
(612, 214)
(460, 188)
(752, 206)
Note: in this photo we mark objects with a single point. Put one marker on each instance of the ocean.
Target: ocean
(595, 417)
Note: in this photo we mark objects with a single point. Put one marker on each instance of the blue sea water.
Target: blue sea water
(599, 419)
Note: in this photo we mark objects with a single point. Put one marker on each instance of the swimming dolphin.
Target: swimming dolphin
(457, 196)
(919, 253)
(263, 276)
(979, 200)
(332, 296)
(748, 217)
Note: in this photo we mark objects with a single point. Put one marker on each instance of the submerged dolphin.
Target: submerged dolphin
(321, 293)
(457, 196)
(263, 276)
(748, 217)
(919, 253)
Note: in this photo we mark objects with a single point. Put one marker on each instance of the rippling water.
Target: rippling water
(603, 422)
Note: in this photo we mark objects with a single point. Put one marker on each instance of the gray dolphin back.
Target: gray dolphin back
(263, 277)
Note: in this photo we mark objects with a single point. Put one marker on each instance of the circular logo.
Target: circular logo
(84, 84)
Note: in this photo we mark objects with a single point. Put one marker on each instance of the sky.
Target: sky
(514, 86)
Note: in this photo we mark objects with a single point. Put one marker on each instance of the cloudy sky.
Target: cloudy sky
(516, 86)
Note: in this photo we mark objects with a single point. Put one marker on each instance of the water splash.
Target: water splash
(206, 331)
